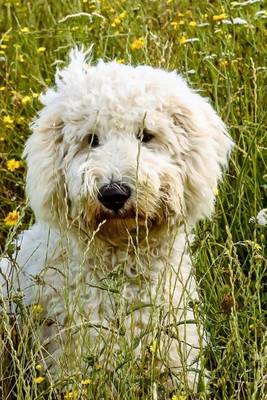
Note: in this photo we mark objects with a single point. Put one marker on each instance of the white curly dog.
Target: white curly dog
(122, 163)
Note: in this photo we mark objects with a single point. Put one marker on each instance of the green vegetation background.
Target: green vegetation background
(226, 62)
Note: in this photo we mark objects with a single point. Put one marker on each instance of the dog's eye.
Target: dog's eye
(145, 136)
(93, 140)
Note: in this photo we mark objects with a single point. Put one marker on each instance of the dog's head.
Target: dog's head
(117, 146)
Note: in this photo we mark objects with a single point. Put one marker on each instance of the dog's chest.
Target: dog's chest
(104, 286)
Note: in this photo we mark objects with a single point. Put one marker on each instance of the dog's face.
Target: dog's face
(117, 146)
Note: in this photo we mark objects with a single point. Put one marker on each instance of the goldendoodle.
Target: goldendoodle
(122, 163)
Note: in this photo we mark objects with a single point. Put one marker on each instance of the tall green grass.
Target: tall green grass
(226, 62)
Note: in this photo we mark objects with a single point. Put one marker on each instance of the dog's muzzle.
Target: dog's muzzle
(114, 195)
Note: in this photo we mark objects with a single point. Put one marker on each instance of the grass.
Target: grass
(227, 63)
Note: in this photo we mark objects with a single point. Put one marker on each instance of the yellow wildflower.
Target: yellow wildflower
(39, 379)
(116, 22)
(72, 395)
(153, 347)
(182, 40)
(35, 95)
(20, 58)
(39, 367)
(123, 14)
(25, 30)
(3, 46)
(13, 164)
(120, 61)
(41, 49)
(180, 14)
(138, 43)
(2, 138)
(223, 63)
(217, 18)
(8, 120)
(12, 218)
(192, 23)
(86, 381)
(37, 308)
(257, 246)
(5, 38)
(2, 88)
(181, 22)
(26, 99)
(2, 52)
(21, 119)
(178, 397)
(174, 24)
(215, 191)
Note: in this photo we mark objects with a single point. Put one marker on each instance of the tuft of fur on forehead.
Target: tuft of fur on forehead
(177, 170)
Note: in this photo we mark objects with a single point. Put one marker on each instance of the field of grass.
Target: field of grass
(219, 46)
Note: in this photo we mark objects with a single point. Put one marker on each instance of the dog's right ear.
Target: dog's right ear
(42, 150)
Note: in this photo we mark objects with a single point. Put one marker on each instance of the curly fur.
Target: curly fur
(98, 272)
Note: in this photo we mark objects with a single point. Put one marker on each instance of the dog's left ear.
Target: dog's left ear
(206, 156)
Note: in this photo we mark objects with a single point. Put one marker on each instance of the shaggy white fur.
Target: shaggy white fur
(122, 163)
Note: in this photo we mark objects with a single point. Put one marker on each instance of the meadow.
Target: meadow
(220, 48)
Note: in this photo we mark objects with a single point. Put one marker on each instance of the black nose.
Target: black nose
(114, 195)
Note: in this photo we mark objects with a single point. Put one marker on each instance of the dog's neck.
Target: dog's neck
(138, 243)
